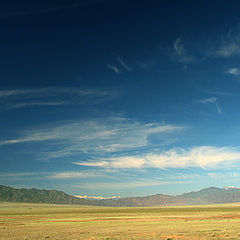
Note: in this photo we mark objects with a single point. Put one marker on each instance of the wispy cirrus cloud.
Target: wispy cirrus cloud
(200, 156)
(229, 45)
(52, 91)
(30, 104)
(21, 174)
(181, 52)
(212, 100)
(228, 50)
(124, 65)
(96, 136)
(114, 68)
(120, 67)
(53, 96)
(53, 175)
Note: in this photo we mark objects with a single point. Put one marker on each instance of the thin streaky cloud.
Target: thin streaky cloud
(30, 104)
(35, 137)
(124, 185)
(70, 175)
(53, 91)
(23, 174)
(92, 164)
(124, 65)
(53, 175)
(53, 96)
(9, 93)
(114, 68)
(214, 101)
(95, 136)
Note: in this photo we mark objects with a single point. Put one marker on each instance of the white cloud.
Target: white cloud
(52, 175)
(54, 91)
(182, 54)
(53, 96)
(234, 71)
(9, 93)
(114, 68)
(223, 175)
(20, 105)
(124, 65)
(208, 100)
(228, 50)
(92, 163)
(32, 136)
(203, 157)
(96, 136)
(230, 44)
(70, 175)
(117, 69)
(212, 100)
(22, 174)
(124, 185)
(117, 162)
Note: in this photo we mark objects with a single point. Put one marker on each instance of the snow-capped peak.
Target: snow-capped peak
(230, 187)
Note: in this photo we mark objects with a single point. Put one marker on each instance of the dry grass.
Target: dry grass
(40, 221)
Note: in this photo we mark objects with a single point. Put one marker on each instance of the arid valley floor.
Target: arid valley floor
(19, 221)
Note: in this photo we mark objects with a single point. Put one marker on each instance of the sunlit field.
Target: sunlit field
(41, 221)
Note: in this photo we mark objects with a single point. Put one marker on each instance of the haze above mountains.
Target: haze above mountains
(211, 195)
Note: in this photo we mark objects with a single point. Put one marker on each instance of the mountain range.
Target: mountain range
(205, 196)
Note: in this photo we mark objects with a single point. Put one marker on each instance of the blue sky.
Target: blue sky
(122, 97)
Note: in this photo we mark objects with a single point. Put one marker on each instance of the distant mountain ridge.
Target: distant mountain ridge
(213, 195)
(33, 195)
(204, 196)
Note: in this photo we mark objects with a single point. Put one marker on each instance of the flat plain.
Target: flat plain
(21, 221)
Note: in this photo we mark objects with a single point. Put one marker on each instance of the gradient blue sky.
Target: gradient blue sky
(126, 98)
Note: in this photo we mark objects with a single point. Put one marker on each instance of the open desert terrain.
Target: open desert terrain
(20, 221)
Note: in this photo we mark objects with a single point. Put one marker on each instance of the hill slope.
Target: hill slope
(9, 194)
(213, 195)
(204, 196)
(148, 201)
